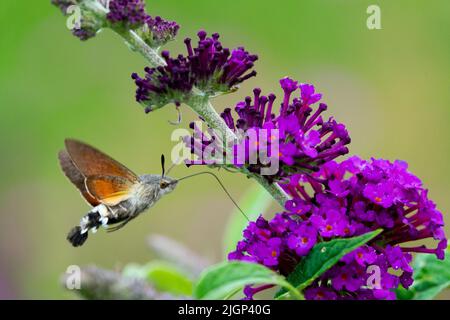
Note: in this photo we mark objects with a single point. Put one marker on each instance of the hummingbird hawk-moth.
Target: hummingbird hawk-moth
(116, 194)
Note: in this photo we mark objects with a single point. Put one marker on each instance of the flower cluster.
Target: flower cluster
(159, 31)
(216, 69)
(349, 199)
(129, 13)
(89, 27)
(88, 24)
(209, 67)
(304, 138)
(122, 16)
(163, 85)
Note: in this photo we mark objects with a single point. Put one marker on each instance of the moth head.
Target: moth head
(167, 184)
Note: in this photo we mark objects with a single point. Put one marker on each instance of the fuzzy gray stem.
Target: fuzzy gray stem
(273, 188)
(201, 104)
(96, 7)
(101, 284)
(176, 252)
(133, 40)
(137, 44)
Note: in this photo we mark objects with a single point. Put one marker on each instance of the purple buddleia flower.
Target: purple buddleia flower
(161, 31)
(217, 69)
(88, 25)
(302, 239)
(304, 138)
(122, 16)
(208, 67)
(347, 279)
(129, 13)
(364, 255)
(348, 199)
(84, 34)
(320, 293)
(163, 85)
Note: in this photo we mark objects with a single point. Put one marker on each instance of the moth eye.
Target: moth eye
(163, 184)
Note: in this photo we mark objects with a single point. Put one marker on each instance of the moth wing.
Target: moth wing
(109, 190)
(75, 176)
(91, 162)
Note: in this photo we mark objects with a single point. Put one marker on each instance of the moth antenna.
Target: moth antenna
(221, 184)
(171, 167)
(176, 162)
(163, 160)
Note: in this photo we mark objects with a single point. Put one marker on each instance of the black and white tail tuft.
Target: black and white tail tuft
(75, 237)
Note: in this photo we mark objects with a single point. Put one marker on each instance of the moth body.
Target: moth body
(116, 194)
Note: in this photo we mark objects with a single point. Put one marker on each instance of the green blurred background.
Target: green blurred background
(389, 86)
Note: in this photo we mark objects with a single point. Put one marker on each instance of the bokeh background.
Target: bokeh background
(390, 86)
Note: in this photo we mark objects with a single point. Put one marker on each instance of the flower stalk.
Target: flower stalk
(273, 188)
(101, 284)
(201, 104)
(134, 41)
(137, 44)
(96, 7)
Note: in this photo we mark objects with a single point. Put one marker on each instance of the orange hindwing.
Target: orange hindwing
(109, 190)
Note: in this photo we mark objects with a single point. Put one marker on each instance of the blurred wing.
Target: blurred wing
(91, 161)
(109, 190)
(75, 176)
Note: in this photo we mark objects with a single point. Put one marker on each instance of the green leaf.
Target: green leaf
(254, 202)
(322, 257)
(221, 280)
(164, 276)
(431, 277)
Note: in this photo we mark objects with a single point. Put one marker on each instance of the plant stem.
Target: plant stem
(101, 284)
(294, 292)
(201, 104)
(137, 44)
(273, 188)
(95, 7)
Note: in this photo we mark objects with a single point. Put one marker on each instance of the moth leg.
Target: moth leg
(119, 226)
